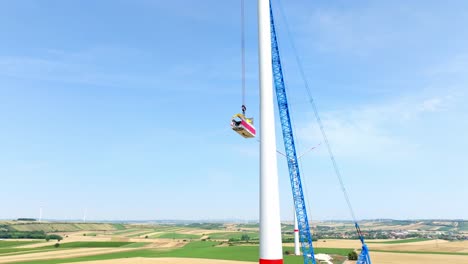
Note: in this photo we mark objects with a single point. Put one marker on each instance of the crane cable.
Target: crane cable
(319, 121)
(242, 18)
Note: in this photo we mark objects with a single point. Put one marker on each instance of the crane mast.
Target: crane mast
(290, 150)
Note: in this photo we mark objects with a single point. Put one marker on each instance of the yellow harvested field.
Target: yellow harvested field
(399, 258)
(337, 243)
(133, 233)
(153, 243)
(151, 234)
(425, 246)
(164, 261)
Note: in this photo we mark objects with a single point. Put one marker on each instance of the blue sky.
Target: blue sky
(122, 108)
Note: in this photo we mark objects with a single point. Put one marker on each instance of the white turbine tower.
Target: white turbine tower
(40, 213)
(270, 225)
(84, 215)
(297, 250)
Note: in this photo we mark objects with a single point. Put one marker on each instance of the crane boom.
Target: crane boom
(290, 150)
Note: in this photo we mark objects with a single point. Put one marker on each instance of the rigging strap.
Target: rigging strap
(242, 18)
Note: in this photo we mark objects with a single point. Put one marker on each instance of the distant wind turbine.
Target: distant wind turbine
(84, 215)
(40, 212)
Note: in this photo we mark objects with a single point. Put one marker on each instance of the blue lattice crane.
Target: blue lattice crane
(290, 150)
(291, 156)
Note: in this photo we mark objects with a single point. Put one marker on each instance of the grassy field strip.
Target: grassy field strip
(136, 245)
(130, 232)
(154, 233)
(125, 231)
(63, 227)
(16, 243)
(204, 250)
(21, 251)
(166, 261)
(141, 233)
(228, 235)
(399, 241)
(64, 246)
(119, 226)
(203, 231)
(43, 257)
(463, 225)
(97, 244)
(176, 236)
(12, 251)
(171, 229)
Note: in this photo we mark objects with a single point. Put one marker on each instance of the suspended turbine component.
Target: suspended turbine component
(240, 123)
(243, 125)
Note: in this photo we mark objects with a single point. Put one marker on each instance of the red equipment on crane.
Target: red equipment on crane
(243, 126)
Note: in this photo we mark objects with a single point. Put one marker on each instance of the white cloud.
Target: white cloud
(374, 130)
(85, 67)
(431, 105)
(456, 65)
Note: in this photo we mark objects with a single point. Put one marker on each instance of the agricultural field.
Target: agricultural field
(204, 243)
(463, 226)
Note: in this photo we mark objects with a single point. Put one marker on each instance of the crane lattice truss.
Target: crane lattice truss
(290, 150)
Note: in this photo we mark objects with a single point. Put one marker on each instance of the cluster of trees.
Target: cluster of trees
(244, 237)
(352, 255)
(53, 237)
(22, 234)
(14, 234)
(26, 219)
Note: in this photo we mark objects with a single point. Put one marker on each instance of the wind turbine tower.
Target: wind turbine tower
(40, 213)
(297, 250)
(270, 225)
(84, 215)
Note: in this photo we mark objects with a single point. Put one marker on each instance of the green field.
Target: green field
(212, 248)
(235, 235)
(196, 250)
(208, 226)
(249, 225)
(19, 251)
(124, 231)
(176, 236)
(463, 225)
(7, 243)
(140, 233)
(109, 244)
(61, 227)
(6, 250)
(119, 226)
(136, 245)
